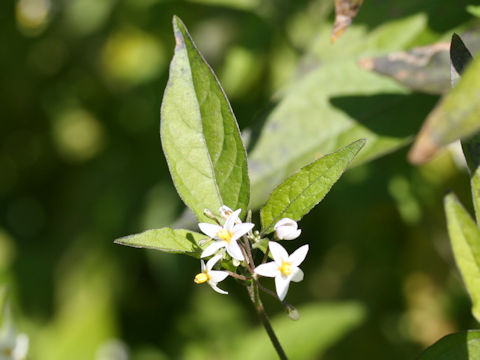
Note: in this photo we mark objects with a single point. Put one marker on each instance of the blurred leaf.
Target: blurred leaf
(460, 57)
(328, 109)
(4, 309)
(297, 195)
(86, 316)
(200, 135)
(474, 10)
(465, 239)
(176, 241)
(455, 117)
(320, 326)
(421, 68)
(459, 346)
(345, 11)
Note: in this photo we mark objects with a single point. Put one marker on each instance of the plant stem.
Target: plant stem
(255, 297)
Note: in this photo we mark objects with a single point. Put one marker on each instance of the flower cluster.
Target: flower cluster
(233, 242)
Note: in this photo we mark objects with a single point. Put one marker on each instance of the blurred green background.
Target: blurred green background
(81, 164)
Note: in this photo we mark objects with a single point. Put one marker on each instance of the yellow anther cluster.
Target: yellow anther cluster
(225, 235)
(285, 268)
(202, 277)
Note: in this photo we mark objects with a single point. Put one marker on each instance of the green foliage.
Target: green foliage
(320, 325)
(200, 135)
(297, 195)
(465, 238)
(176, 241)
(331, 102)
(460, 346)
(455, 117)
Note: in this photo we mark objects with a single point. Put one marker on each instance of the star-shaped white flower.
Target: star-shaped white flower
(226, 236)
(283, 268)
(12, 346)
(287, 229)
(212, 277)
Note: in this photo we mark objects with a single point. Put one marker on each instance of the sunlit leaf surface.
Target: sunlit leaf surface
(200, 135)
(302, 191)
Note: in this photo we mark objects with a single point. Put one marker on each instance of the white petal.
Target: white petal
(203, 265)
(278, 252)
(286, 222)
(288, 234)
(210, 229)
(216, 276)
(217, 289)
(225, 211)
(21, 348)
(211, 263)
(298, 255)
(297, 275)
(269, 269)
(213, 248)
(281, 285)
(234, 250)
(231, 220)
(241, 229)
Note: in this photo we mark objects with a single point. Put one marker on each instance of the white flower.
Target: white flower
(212, 277)
(226, 236)
(287, 229)
(13, 347)
(283, 268)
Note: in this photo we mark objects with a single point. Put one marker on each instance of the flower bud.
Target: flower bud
(287, 229)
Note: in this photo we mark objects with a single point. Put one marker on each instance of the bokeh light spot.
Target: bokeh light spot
(131, 56)
(77, 134)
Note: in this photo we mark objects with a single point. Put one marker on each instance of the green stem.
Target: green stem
(255, 297)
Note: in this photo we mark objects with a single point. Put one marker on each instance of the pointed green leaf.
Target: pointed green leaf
(319, 327)
(460, 57)
(465, 239)
(200, 135)
(302, 191)
(176, 241)
(459, 346)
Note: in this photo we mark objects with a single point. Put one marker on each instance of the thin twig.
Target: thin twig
(255, 297)
(249, 251)
(237, 276)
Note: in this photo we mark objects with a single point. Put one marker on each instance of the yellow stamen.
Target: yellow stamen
(285, 268)
(202, 277)
(225, 235)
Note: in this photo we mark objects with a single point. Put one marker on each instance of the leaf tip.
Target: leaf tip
(178, 30)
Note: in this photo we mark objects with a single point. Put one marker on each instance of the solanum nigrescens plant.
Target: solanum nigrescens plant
(208, 163)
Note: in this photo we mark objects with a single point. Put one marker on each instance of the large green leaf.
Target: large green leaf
(460, 346)
(176, 241)
(455, 117)
(200, 135)
(465, 239)
(297, 195)
(320, 326)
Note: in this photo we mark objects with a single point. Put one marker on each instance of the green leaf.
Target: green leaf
(459, 346)
(455, 117)
(297, 195)
(320, 326)
(200, 135)
(176, 241)
(465, 239)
